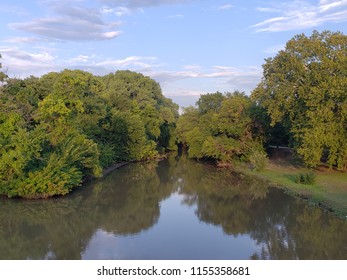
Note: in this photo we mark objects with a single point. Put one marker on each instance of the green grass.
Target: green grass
(329, 189)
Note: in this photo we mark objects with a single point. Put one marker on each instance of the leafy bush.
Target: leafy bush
(308, 178)
(258, 159)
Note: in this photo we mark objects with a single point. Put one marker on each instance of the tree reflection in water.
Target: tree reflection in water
(127, 202)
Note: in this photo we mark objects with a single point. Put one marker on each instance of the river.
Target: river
(172, 209)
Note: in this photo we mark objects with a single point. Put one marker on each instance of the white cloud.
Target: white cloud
(73, 22)
(74, 11)
(135, 4)
(131, 61)
(22, 40)
(106, 10)
(267, 10)
(325, 5)
(226, 77)
(245, 81)
(301, 14)
(177, 16)
(193, 67)
(17, 62)
(118, 11)
(110, 34)
(180, 91)
(245, 78)
(225, 7)
(184, 85)
(224, 71)
(275, 49)
(79, 59)
(165, 77)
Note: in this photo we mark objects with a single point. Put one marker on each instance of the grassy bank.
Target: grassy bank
(329, 189)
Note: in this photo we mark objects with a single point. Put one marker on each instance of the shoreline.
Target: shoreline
(114, 167)
(329, 192)
(123, 163)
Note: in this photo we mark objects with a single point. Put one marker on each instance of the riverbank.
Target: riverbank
(329, 190)
(117, 165)
(114, 167)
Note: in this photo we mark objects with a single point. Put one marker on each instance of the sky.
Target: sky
(190, 47)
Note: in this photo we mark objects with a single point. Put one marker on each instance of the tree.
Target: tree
(130, 91)
(210, 102)
(304, 87)
(221, 128)
(60, 129)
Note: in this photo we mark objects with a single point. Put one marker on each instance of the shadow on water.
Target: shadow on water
(128, 205)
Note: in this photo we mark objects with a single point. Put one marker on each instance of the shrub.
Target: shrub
(308, 178)
(258, 160)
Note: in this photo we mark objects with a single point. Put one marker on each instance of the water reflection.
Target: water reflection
(175, 208)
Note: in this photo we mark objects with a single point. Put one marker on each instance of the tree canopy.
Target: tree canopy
(304, 87)
(61, 128)
(220, 128)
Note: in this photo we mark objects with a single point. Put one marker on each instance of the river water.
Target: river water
(173, 209)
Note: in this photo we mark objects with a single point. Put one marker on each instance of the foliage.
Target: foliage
(277, 135)
(58, 130)
(221, 128)
(304, 88)
(258, 159)
(210, 102)
(129, 92)
(308, 178)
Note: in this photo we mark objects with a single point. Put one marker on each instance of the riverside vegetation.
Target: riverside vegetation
(61, 128)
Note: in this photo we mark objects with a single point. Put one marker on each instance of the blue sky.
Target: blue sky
(190, 47)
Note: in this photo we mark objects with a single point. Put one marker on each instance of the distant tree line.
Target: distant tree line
(61, 128)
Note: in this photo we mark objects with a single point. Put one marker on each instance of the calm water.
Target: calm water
(174, 209)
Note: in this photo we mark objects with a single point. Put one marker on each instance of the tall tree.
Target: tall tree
(305, 86)
(220, 128)
(130, 91)
(210, 102)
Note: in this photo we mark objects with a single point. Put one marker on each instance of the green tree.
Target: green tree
(221, 128)
(80, 92)
(45, 161)
(304, 87)
(187, 122)
(44, 147)
(58, 130)
(130, 91)
(210, 102)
